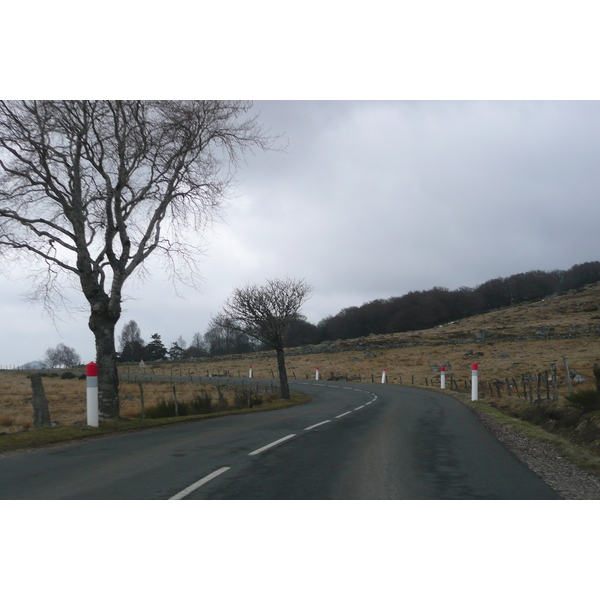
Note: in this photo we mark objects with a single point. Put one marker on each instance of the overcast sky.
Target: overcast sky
(372, 199)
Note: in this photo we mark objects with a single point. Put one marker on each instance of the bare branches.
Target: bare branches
(264, 312)
(90, 185)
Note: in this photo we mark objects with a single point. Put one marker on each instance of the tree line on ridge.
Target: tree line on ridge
(413, 311)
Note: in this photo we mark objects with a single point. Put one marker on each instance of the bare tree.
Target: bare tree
(265, 313)
(62, 356)
(92, 188)
(130, 334)
(131, 343)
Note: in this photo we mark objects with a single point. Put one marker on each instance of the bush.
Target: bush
(166, 408)
(244, 398)
(68, 375)
(585, 400)
(201, 404)
(535, 414)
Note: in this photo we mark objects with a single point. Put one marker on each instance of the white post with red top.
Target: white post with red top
(92, 394)
(384, 376)
(317, 374)
(474, 381)
(443, 376)
(250, 373)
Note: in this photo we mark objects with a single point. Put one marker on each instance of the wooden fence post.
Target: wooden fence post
(554, 382)
(569, 385)
(176, 404)
(142, 398)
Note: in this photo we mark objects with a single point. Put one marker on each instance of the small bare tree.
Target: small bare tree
(62, 356)
(91, 189)
(265, 313)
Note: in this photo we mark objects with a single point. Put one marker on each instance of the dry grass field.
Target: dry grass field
(67, 399)
(499, 356)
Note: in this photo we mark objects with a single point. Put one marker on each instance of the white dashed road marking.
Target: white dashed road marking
(317, 424)
(343, 414)
(283, 439)
(188, 490)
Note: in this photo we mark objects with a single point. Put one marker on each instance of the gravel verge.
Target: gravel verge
(566, 479)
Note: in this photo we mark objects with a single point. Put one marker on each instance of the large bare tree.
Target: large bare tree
(265, 313)
(91, 189)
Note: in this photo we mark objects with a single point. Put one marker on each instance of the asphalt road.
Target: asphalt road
(353, 441)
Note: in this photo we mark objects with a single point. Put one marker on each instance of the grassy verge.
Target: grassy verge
(35, 438)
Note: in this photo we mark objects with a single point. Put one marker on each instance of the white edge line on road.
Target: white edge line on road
(317, 424)
(359, 407)
(287, 437)
(344, 414)
(188, 490)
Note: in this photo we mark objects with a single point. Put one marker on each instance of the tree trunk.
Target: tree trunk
(103, 328)
(283, 378)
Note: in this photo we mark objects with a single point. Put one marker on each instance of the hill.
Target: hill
(425, 309)
(507, 343)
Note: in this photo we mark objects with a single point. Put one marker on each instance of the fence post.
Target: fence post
(142, 399)
(554, 382)
(569, 385)
(443, 377)
(474, 381)
(92, 394)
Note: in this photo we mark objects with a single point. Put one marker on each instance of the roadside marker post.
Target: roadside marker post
(250, 373)
(317, 374)
(92, 394)
(443, 376)
(474, 381)
(384, 376)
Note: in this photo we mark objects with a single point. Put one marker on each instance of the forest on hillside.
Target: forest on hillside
(424, 309)
(411, 312)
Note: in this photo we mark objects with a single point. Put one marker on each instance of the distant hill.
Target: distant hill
(32, 366)
(419, 310)
(422, 310)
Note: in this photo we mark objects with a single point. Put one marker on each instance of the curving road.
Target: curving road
(353, 441)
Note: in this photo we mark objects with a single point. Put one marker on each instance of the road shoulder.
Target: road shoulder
(550, 457)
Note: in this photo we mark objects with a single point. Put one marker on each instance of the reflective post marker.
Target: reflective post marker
(250, 373)
(92, 394)
(443, 376)
(474, 381)
(384, 376)
(317, 374)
